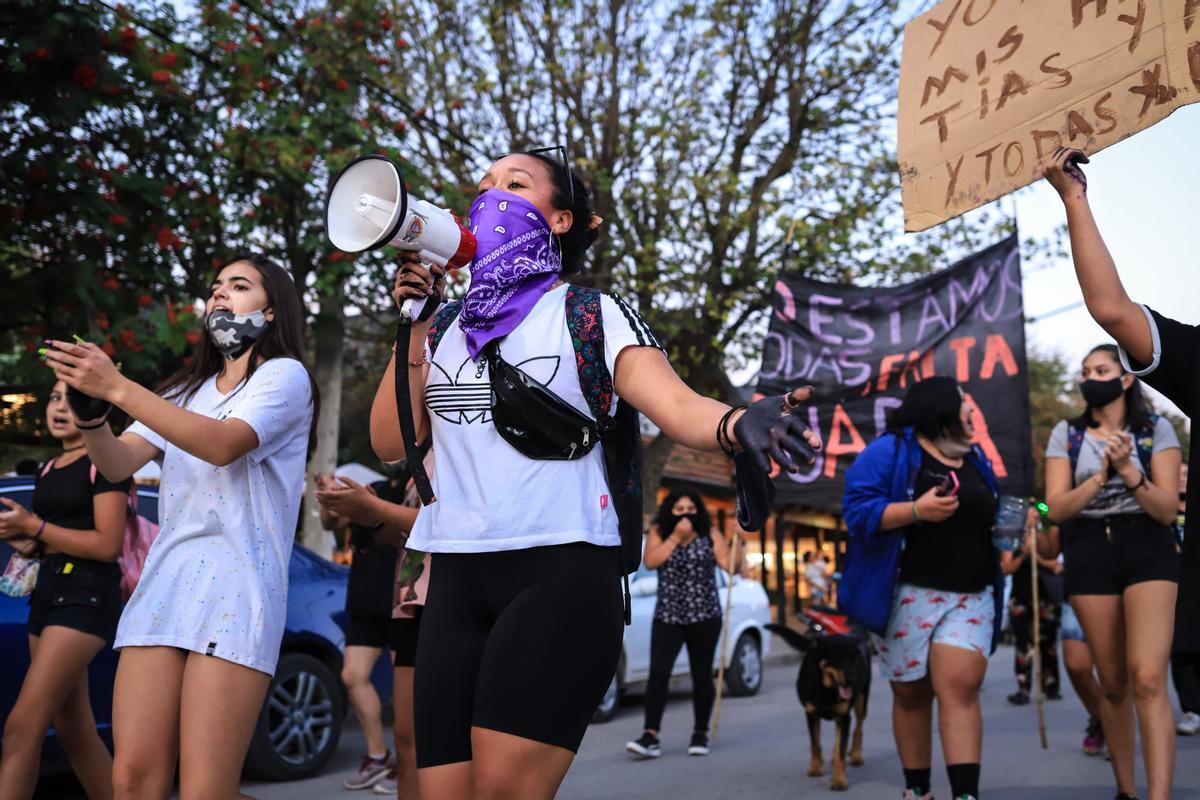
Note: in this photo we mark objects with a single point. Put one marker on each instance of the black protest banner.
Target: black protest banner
(861, 347)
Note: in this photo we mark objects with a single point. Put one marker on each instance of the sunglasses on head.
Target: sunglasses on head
(562, 154)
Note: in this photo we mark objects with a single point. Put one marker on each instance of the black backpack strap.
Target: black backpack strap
(408, 429)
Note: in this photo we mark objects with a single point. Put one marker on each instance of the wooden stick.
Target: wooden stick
(724, 640)
(1037, 644)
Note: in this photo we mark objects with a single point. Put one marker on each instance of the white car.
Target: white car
(748, 642)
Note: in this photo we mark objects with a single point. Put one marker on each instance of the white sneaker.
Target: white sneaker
(1189, 724)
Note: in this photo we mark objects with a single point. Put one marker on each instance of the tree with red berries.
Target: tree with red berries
(93, 134)
(147, 149)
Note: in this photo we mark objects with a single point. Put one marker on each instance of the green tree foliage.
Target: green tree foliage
(1052, 397)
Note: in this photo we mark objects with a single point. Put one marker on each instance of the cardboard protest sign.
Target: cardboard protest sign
(989, 87)
(862, 347)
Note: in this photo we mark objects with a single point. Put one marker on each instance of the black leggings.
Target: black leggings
(523, 642)
(1186, 675)
(665, 641)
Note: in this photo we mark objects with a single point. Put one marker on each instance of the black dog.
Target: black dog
(834, 680)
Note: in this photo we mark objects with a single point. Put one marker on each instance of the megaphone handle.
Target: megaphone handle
(408, 428)
(419, 309)
(413, 307)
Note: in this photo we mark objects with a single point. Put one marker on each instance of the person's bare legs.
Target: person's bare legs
(75, 727)
(957, 675)
(508, 767)
(1103, 620)
(357, 665)
(219, 706)
(1080, 669)
(1150, 628)
(59, 658)
(407, 787)
(505, 767)
(912, 722)
(146, 722)
(446, 781)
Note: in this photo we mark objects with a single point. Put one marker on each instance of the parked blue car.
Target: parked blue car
(302, 718)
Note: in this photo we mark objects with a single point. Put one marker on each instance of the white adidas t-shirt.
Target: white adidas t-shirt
(489, 496)
(216, 578)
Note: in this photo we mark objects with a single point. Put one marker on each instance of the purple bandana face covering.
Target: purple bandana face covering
(516, 261)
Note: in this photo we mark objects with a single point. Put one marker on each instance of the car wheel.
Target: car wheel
(608, 706)
(301, 721)
(744, 674)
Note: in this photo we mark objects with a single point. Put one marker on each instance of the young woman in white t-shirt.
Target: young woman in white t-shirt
(522, 627)
(200, 636)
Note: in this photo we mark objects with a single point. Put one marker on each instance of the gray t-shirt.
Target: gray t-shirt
(1115, 497)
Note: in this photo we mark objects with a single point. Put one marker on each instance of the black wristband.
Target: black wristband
(100, 424)
(723, 439)
(1139, 484)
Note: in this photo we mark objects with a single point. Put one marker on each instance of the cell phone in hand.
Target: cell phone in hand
(949, 486)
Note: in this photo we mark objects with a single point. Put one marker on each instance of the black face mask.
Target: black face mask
(1098, 394)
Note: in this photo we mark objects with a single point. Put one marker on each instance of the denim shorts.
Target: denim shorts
(1070, 629)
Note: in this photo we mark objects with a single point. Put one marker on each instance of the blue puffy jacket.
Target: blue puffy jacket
(885, 472)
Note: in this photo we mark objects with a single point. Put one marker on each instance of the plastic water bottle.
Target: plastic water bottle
(1009, 533)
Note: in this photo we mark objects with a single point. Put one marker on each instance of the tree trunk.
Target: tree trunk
(329, 336)
(654, 461)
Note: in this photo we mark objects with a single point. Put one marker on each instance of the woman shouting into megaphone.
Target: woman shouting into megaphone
(522, 628)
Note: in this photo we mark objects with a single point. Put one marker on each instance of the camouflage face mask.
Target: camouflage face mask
(234, 334)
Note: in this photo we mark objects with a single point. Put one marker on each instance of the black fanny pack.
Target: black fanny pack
(534, 420)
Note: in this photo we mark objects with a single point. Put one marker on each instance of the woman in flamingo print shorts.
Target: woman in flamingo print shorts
(919, 506)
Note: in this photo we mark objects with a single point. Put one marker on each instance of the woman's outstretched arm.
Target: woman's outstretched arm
(645, 378)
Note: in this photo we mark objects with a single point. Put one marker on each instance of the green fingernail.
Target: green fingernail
(78, 338)
(43, 350)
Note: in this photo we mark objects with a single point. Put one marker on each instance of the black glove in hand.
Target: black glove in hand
(755, 492)
(772, 429)
(87, 409)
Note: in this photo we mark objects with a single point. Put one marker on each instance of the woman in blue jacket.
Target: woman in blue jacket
(921, 574)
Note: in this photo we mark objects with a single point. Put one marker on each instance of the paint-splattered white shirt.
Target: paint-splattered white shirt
(216, 578)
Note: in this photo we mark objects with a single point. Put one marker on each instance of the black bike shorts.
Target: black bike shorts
(368, 631)
(522, 641)
(405, 632)
(1107, 555)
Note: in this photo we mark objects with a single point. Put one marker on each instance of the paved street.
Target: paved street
(762, 753)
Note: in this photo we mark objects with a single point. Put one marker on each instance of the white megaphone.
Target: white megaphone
(369, 207)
